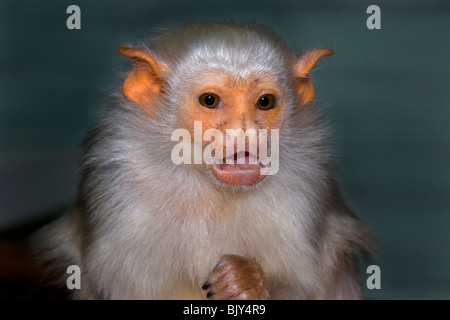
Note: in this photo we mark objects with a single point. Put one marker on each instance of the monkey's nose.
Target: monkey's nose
(243, 121)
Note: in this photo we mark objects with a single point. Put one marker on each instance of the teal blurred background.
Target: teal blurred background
(386, 93)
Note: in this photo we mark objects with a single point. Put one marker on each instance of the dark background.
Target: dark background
(386, 93)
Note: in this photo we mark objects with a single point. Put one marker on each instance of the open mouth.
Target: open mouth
(241, 168)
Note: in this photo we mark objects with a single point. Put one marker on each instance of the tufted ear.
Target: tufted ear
(142, 84)
(304, 65)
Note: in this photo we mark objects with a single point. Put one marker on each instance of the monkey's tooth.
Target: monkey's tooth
(252, 159)
(245, 158)
(264, 162)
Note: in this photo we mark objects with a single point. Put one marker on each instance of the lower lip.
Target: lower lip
(238, 174)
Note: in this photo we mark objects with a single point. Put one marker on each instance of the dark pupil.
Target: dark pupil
(210, 100)
(263, 101)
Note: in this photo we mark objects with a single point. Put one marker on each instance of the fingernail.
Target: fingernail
(206, 285)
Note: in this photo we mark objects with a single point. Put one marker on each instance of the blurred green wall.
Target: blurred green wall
(386, 93)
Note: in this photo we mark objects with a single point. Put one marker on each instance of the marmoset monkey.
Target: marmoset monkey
(146, 225)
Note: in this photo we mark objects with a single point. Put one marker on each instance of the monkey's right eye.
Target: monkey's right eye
(209, 100)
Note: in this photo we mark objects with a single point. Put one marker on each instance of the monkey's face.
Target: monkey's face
(234, 92)
(238, 108)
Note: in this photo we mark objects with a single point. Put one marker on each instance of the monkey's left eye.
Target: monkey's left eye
(266, 102)
(209, 100)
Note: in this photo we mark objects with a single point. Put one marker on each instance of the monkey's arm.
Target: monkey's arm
(55, 247)
(346, 238)
(342, 282)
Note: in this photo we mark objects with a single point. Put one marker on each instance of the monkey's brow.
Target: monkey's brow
(249, 82)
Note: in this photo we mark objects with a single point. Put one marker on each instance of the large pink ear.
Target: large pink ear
(305, 88)
(142, 84)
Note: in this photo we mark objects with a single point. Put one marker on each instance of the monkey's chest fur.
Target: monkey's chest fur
(170, 252)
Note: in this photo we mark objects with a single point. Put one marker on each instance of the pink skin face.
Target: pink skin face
(237, 110)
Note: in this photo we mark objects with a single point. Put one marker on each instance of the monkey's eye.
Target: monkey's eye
(266, 102)
(209, 100)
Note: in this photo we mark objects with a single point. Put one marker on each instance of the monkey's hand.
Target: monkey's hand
(236, 278)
